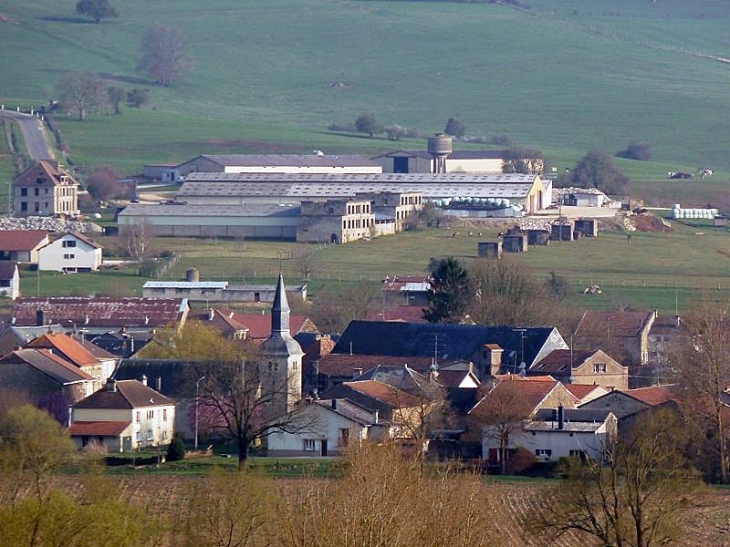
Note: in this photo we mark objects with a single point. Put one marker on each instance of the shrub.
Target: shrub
(520, 461)
(502, 140)
(138, 97)
(455, 128)
(368, 123)
(636, 150)
(176, 449)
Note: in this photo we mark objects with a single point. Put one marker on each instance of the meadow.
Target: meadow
(658, 270)
(564, 76)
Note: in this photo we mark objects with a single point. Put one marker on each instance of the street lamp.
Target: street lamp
(197, 384)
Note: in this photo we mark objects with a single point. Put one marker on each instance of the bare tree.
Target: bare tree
(336, 305)
(164, 55)
(137, 238)
(703, 374)
(635, 495)
(500, 415)
(103, 183)
(308, 261)
(83, 91)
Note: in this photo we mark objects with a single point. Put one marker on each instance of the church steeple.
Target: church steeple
(280, 310)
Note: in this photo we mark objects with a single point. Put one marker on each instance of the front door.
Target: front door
(324, 447)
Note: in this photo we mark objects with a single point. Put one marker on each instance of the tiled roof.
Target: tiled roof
(259, 325)
(70, 349)
(573, 415)
(8, 269)
(531, 394)
(218, 320)
(384, 393)
(620, 324)
(98, 429)
(85, 239)
(454, 378)
(344, 364)
(51, 169)
(652, 396)
(22, 240)
(407, 314)
(518, 378)
(128, 394)
(99, 311)
(349, 410)
(49, 364)
(581, 391)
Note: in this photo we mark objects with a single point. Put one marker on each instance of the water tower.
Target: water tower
(440, 147)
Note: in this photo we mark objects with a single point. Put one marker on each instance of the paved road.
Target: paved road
(33, 134)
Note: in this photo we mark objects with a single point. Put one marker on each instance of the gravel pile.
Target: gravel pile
(49, 223)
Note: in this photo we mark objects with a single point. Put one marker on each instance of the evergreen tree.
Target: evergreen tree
(450, 291)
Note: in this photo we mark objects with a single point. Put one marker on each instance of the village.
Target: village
(506, 398)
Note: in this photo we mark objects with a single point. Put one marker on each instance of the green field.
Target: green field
(656, 271)
(564, 76)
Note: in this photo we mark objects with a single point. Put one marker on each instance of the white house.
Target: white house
(563, 432)
(72, 252)
(9, 279)
(125, 415)
(329, 426)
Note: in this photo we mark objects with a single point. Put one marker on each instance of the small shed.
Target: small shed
(720, 220)
(587, 226)
(538, 237)
(489, 249)
(515, 243)
(562, 232)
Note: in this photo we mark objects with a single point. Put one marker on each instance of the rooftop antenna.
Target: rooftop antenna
(434, 360)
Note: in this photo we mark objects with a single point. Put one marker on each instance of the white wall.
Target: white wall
(145, 432)
(474, 165)
(56, 257)
(325, 425)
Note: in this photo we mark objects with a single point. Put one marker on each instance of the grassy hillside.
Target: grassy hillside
(566, 75)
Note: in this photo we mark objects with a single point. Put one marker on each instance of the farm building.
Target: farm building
(278, 163)
(250, 221)
(581, 197)
(22, 245)
(216, 291)
(527, 191)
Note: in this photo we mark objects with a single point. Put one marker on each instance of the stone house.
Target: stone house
(623, 334)
(583, 367)
(45, 189)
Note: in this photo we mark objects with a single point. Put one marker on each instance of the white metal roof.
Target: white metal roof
(185, 285)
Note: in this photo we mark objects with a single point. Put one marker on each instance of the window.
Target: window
(69, 256)
(36, 191)
(139, 436)
(344, 437)
(294, 365)
(164, 414)
(23, 191)
(23, 205)
(310, 445)
(139, 418)
(69, 243)
(150, 414)
(599, 367)
(164, 435)
(543, 453)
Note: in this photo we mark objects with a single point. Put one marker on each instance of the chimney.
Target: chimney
(376, 416)
(211, 314)
(40, 318)
(111, 385)
(144, 379)
(493, 354)
(333, 404)
(70, 415)
(561, 416)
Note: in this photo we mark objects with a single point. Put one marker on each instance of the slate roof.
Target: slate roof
(344, 364)
(454, 378)
(402, 377)
(49, 364)
(129, 394)
(22, 240)
(452, 342)
(559, 360)
(8, 269)
(98, 429)
(100, 311)
(391, 396)
(348, 409)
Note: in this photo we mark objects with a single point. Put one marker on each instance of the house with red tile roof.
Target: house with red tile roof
(125, 415)
(44, 376)
(22, 245)
(583, 367)
(585, 393)
(92, 360)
